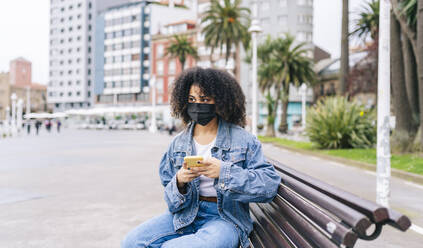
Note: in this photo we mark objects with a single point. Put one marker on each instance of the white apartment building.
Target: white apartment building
(123, 49)
(71, 70)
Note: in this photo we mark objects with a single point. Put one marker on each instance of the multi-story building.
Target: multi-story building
(4, 94)
(72, 25)
(123, 47)
(20, 72)
(21, 85)
(164, 67)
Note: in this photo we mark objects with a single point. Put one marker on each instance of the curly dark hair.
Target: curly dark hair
(218, 84)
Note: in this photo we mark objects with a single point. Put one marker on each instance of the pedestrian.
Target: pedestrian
(208, 206)
(48, 125)
(28, 126)
(37, 126)
(171, 129)
(58, 123)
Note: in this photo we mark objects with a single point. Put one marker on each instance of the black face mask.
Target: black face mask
(201, 113)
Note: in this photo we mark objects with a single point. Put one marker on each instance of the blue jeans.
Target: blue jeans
(208, 230)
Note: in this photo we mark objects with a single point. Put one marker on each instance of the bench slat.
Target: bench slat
(358, 221)
(338, 233)
(375, 212)
(307, 230)
(254, 239)
(275, 233)
(398, 220)
(283, 224)
(265, 238)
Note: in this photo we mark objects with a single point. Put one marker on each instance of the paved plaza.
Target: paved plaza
(86, 188)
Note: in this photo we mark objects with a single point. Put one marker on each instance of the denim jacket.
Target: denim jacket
(244, 177)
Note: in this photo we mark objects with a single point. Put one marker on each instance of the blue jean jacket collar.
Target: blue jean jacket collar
(222, 141)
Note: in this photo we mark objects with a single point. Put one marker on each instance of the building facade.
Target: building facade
(31, 93)
(71, 73)
(4, 94)
(123, 50)
(20, 72)
(164, 67)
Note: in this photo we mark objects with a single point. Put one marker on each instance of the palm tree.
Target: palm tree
(287, 64)
(267, 72)
(344, 70)
(368, 21)
(181, 48)
(226, 26)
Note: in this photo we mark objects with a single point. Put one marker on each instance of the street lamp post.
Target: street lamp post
(7, 124)
(153, 126)
(28, 101)
(19, 115)
(303, 90)
(254, 30)
(383, 106)
(13, 97)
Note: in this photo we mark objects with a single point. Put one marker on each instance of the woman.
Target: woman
(208, 205)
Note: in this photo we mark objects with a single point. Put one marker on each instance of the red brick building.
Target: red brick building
(165, 68)
(20, 72)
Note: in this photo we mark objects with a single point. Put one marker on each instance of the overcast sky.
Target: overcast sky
(24, 29)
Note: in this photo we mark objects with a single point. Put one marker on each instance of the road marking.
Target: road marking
(370, 172)
(315, 158)
(414, 185)
(417, 229)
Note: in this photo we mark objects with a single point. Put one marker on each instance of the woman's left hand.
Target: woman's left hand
(210, 168)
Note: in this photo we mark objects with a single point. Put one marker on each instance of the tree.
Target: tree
(181, 48)
(368, 22)
(419, 57)
(403, 127)
(344, 70)
(226, 26)
(284, 63)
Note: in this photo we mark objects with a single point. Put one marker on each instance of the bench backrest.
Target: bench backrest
(310, 213)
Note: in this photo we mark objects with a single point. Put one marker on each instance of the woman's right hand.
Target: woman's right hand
(184, 175)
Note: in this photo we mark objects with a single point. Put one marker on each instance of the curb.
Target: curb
(370, 167)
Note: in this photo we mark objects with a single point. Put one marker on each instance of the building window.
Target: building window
(89, 94)
(283, 20)
(135, 57)
(160, 50)
(89, 83)
(172, 67)
(265, 21)
(69, 93)
(89, 72)
(305, 3)
(160, 67)
(78, 93)
(265, 5)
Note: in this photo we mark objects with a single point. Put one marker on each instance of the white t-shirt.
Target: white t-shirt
(206, 183)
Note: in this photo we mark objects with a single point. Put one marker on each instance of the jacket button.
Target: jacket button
(222, 185)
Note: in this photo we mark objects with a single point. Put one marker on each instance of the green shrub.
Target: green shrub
(335, 123)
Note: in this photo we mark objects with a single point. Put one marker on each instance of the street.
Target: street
(86, 188)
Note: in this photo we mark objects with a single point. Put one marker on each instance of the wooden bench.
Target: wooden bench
(310, 213)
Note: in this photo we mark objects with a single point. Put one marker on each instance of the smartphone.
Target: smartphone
(192, 161)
